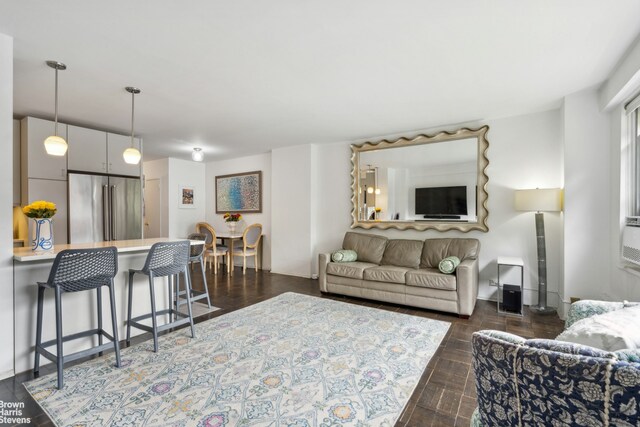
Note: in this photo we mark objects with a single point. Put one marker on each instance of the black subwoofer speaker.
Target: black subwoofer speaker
(511, 298)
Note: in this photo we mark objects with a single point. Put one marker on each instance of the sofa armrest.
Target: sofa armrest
(587, 308)
(467, 285)
(323, 261)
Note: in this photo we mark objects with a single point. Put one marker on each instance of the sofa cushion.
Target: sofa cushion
(386, 273)
(435, 250)
(403, 253)
(615, 330)
(369, 247)
(353, 270)
(431, 278)
(449, 265)
(344, 255)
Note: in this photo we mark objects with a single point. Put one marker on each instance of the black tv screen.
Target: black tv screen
(441, 201)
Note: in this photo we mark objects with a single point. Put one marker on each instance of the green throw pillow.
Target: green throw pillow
(344, 255)
(449, 264)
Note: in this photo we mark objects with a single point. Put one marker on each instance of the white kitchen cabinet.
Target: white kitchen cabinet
(34, 160)
(116, 144)
(56, 192)
(16, 163)
(87, 149)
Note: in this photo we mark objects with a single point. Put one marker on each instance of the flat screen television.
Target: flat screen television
(441, 202)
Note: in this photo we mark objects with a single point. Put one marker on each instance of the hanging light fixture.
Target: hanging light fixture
(131, 155)
(56, 145)
(197, 155)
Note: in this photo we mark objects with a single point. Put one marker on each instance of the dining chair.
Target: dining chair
(212, 251)
(250, 241)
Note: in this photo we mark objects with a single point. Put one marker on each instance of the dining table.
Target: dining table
(230, 240)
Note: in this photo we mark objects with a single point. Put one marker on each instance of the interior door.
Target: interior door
(152, 208)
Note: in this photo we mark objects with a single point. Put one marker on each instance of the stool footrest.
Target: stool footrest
(183, 321)
(79, 354)
(79, 335)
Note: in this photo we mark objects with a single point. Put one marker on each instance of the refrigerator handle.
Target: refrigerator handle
(113, 213)
(105, 213)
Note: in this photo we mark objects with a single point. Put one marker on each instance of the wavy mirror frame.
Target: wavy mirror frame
(482, 180)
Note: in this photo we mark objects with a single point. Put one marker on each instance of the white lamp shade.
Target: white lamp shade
(378, 191)
(370, 190)
(197, 155)
(539, 199)
(55, 146)
(131, 156)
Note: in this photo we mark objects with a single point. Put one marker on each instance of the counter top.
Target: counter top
(27, 255)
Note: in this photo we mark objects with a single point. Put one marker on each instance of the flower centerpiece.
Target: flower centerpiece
(42, 231)
(232, 221)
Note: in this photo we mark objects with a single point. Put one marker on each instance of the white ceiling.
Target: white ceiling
(243, 77)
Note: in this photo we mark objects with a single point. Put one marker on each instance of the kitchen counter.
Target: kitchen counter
(79, 308)
(137, 245)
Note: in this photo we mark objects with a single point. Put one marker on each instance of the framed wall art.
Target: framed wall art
(187, 196)
(239, 192)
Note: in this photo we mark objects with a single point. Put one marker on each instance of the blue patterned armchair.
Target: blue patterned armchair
(542, 382)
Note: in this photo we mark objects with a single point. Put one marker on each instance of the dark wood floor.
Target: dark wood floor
(445, 395)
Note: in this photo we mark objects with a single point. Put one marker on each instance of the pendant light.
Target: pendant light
(131, 155)
(56, 145)
(197, 155)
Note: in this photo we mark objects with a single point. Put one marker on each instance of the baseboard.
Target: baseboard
(7, 374)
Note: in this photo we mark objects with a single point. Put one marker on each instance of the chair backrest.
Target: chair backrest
(81, 269)
(251, 236)
(196, 250)
(167, 258)
(209, 232)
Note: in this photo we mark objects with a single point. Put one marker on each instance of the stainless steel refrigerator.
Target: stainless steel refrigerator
(103, 208)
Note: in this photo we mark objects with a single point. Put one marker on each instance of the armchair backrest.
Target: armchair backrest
(540, 382)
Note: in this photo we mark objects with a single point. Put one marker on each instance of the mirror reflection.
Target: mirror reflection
(427, 182)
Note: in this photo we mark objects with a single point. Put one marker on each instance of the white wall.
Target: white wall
(6, 199)
(292, 219)
(587, 197)
(260, 162)
(524, 152)
(173, 174)
(182, 221)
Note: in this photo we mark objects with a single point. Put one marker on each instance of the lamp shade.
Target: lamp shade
(197, 155)
(131, 156)
(55, 146)
(539, 199)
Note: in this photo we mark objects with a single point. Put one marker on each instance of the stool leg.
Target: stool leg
(204, 281)
(154, 320)
(36, 363)
(59, 350)
(99, 302)
(129, 304)
(114, 324)
(188, 294)
(171, 295)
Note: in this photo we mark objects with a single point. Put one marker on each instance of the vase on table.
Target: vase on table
(232, 226)
(42, 234)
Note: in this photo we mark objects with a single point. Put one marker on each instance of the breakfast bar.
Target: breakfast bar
(79, 311)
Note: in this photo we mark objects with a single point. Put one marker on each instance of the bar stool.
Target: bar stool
(74, 271)
(167, 259)
(195, 256)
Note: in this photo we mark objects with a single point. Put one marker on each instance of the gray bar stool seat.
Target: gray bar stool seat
(167, 259)
(195, 257)
(74, 271)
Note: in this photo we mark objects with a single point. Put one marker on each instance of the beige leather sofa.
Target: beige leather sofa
(405, 272)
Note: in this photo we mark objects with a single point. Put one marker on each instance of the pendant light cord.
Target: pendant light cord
(55, 127)
(133, 95)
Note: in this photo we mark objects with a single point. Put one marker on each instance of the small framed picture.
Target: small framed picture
(187, 196)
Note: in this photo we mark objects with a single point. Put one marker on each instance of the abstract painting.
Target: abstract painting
(239, 192)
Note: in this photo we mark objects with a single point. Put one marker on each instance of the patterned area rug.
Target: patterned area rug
(293, 360)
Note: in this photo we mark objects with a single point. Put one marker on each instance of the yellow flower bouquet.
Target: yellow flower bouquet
(40, 209)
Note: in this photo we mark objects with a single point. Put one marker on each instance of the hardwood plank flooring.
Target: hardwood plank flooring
(445, 395)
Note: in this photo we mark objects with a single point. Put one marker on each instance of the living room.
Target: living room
(556, 118)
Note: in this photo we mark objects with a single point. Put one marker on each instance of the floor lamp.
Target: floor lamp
(538, 200)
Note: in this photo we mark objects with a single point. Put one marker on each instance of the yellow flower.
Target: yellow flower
(40, 209)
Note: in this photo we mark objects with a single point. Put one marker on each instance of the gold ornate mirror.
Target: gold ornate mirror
(428, 182)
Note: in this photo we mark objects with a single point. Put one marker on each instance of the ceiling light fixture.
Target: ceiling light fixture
(197, 155)
(131, 155)
(56, 145)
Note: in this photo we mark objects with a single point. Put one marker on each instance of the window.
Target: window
(633, 114)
